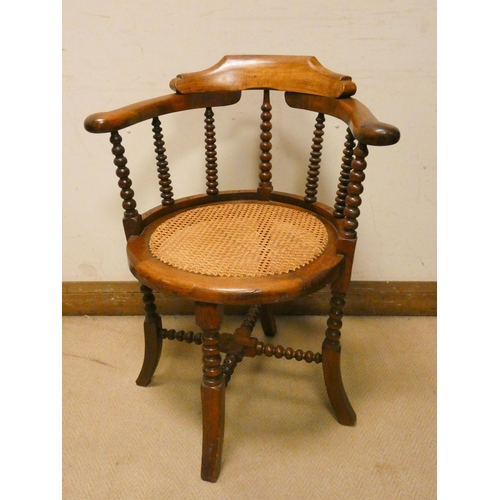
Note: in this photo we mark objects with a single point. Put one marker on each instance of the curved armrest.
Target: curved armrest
(363, 125)
(110, 121)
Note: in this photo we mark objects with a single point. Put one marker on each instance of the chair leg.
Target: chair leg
(267, 320)
(331, 363)
(209, 319)
(152, 338)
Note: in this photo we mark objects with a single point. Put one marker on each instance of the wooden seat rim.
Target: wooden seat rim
(233, 290)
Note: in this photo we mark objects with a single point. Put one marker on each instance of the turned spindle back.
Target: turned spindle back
(306, 85)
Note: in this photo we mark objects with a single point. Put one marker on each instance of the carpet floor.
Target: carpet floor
(125, 442)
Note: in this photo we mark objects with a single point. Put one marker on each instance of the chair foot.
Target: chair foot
(331, 362)
(153, 339)
(267, 320)
(213, 406)
(342, 408)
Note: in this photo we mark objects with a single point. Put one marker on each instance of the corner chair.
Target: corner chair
(253, 247)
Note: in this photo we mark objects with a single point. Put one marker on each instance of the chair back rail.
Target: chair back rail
(293, 73)
(306, 84)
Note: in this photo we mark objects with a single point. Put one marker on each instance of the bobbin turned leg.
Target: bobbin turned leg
(152, 338)
(331, 363)
(209, 319)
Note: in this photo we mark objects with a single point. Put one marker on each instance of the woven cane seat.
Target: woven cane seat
(245, 239)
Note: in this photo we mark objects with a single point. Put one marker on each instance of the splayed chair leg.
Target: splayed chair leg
(331, 363)
(213, 386)
(152, 338)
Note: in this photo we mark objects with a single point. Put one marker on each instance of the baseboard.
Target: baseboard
(365, 298)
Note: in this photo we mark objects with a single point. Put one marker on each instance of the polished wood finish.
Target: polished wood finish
(182, 336)
(315, 160)
(289, 353)
(127, 116)
(209, 318)
(364, 126)
(233, 290)
(166, 191)
(268, 320)
(153, 338)
(126, 193)
(331, 362)
(210, 153)
(309, 86)
(240, 343)
(132, 221)
(345, 171)
(265, 186)
(354, 190)
(294, 73)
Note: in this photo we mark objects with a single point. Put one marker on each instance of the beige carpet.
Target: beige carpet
(121, 441)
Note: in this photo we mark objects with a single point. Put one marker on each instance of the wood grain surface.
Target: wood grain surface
(364, 298)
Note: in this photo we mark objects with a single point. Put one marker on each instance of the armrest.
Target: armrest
(110, 121)
(363, 125)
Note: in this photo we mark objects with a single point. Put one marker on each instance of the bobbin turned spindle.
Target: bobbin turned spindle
(345, 171)
(211, 153)
(315, 160)
(265, 186)
(162, 164)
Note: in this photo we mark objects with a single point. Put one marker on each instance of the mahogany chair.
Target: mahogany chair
(253, 247)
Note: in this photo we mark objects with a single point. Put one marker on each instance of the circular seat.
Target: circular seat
(237, 252)
(239, 239)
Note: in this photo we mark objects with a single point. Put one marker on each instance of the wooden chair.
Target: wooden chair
(256, 247)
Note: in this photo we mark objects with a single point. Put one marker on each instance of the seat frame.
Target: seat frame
(307, 85)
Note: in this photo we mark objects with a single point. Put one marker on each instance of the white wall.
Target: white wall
(119, 52)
